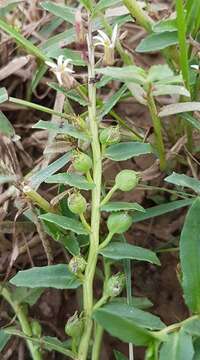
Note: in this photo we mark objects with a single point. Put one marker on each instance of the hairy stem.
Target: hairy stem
(137, 12)
(95, 205)
(24, 323)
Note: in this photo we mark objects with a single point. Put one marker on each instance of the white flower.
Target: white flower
(62, 70)
(104, 40)
(195, 67)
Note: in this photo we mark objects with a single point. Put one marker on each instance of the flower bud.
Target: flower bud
(115, 285)
(74, 326)
(77, 203)
(127, 180)
(110, 135)
(36, 328)
(119, 222)
(77, 264)
(82, 162)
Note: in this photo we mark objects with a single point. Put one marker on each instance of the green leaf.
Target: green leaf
(46, 342)
(112, 101)
(3, 95)
(65, 223)
(71, 94)
(191, 120)
(4, 338)
(64, 38)
(104, 4)
(127, 150)
(43, 174)
(127, 73)
(88, 4)
(119, 356)
(189, 255)
(120, 251)
(160, 90)
(52, 276)
(165, 25)
(63, 128)
(6, 127)
(161, 209)
(119, 205)
(138, 302)
(159, 73)
(27, 295)
(21, 40)
(192, 327)
(127, 323)
(8, 6)
(157, 41)
(184, 180)
(178, 347)
(179, 108)
(67, 13)
(196, 349)
(72, 179)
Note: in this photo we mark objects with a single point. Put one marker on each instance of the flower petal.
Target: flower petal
(60, 60)
(104, 35)
(114, 35)
(51, 64)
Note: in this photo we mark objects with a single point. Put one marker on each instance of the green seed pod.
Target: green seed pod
(36, 328)
(115, 285)
(110, 135)
(82, 162)
(77, 203)
(127, 180)
(119, 222)
(74, 326)
(77, 264)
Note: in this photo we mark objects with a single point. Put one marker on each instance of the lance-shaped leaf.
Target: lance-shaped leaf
(65, 223)
(72, 179)
(67, 13)
(120, 251)
(43, 174)
(179, 108)
(52, 276)
(4, 338)
(130, 73)
(127, 150)
(157, 41)
(63, 128)
(178, 347)
(127, 323)
(189, 255)
(120, 205)
(185, 181)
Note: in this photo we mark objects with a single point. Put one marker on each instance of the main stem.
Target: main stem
(95, 205)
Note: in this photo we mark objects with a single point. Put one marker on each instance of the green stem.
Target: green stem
(37, 199)
(95, 205)
(109, 195)
(157, 129)
(141, 17)
(99, 330)
(24, 322)
(106, 241)
(31, 105)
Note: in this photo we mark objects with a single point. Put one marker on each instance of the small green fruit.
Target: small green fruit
(74, 326)
(77, 203)
(127, 180)
(110, 135)
(77, 264)
(82, 162)
(119, 222)
(36, 328)
(115, 285)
